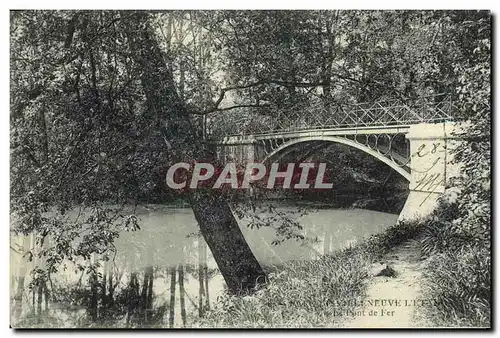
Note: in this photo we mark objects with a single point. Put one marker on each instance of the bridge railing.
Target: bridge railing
(328, 115)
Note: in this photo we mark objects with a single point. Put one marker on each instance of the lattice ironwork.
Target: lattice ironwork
(431, 109)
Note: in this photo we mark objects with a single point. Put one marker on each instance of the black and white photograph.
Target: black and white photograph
(250, 169)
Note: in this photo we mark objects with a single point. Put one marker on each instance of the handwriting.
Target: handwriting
(430, 182)
(435, 146)
(428, 169)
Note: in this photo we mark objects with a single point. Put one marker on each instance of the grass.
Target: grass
(458, 270)
(309, 293)
(456, 276)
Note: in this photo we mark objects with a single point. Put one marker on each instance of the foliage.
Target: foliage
(460, 284)
(457, 239)
(299, 294)
(457, 272)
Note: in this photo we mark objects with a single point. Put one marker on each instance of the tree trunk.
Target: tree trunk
(93, 299)
(172, 298)
(207, 291)
(181, 294)
(44, 140)
(240, 268)
(18, 297)
(204, 275)
(149, 305)
(238, 265)
(39, 301)
(181, 81)
(144, 294)
(46, 295)
(110, 288)
(132, 296)
(326, 243)
(145, 285)
(103, 293)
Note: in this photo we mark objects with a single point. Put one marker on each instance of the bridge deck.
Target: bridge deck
(387, 117)
(375, 130)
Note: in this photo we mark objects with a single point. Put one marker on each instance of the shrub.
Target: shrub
(458, 269)
(459, 282)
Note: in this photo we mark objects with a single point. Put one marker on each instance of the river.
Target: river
(169, 237)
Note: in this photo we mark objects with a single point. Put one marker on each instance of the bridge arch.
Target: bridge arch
(341, 140)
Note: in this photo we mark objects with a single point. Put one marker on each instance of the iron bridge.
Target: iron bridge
(376, 128)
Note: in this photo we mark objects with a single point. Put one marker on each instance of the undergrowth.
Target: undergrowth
(309, 293)
(457, 272)
(456, 276)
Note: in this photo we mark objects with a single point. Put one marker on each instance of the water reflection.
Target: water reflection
(167, 262)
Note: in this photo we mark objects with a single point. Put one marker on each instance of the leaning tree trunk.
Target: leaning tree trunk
(235, 259)
(238, 265)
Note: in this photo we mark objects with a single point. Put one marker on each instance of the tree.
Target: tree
(172, 297)
(234, 258)
(113, 73)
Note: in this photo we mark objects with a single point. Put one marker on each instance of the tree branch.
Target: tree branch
(230, 108)
(295, 84)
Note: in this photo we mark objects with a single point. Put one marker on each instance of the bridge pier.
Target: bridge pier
(239, 150)
(431, 166)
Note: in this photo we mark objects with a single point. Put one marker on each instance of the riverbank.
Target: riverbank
(319, 293)
(430, 273)
(397, 284)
